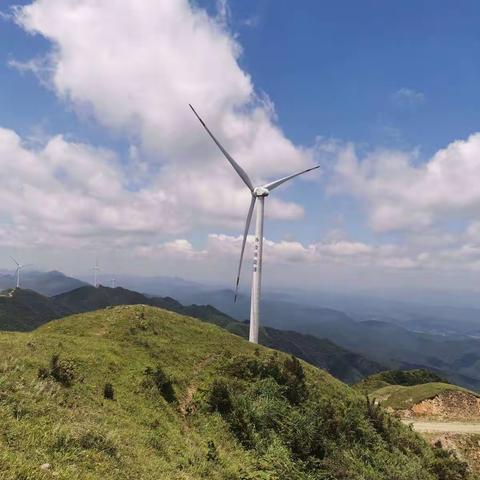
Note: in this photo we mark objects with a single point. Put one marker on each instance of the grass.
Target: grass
(190, 402)
(397, 377)
(401, 397)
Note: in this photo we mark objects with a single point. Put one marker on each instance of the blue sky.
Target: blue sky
(394, 82)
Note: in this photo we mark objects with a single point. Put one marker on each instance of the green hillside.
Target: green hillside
(24, 310)
(401, 397)
(142, 393)
(397, 377)
(347, 366)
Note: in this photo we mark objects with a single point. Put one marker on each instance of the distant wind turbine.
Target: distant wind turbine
(17, 271)
(95, 269)
(259, 192)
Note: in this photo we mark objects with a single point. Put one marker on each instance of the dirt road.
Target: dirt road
(444, 427)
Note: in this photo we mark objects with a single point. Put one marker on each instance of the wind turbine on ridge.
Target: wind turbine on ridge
(17, 271)
(258, 193)
(95, 269)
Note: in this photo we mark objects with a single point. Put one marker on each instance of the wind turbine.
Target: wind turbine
(95, 269)
(258, 193)
(17, 271)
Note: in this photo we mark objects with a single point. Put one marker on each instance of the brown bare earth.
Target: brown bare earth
(451, 420)
(449, 405)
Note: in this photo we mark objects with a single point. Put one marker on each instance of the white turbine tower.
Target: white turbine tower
(17, 271)
(259, 192)
(95, 269)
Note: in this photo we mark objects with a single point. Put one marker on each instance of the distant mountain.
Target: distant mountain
(455, 357)
(46, 283)
(157, 286)
(24, 310)
(343, 364)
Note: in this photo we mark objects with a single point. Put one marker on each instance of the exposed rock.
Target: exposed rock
(451, 405)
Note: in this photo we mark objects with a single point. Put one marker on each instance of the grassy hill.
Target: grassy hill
(347, 366)
(401, 389)
(401, 397)
(142, 393)
(397, 377)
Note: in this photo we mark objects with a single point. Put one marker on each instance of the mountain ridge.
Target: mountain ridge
(343, 364)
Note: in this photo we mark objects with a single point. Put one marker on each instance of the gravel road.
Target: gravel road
(444, 427)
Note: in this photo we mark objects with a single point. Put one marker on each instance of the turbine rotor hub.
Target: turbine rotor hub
(261, 192)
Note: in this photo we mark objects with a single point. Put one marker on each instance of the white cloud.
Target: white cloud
(67, 193)
(403, 195)
(408, 98)
(339, 252)
(135, 66)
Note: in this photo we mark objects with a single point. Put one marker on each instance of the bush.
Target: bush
(290, 374)
(219, 399)
(156, 377)
(108, 392)
(62, 371)
(294, 380)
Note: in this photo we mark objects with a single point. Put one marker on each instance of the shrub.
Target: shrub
(62, 371)
(219, 398)
(157, 378)
(108, 392)
(294, 378)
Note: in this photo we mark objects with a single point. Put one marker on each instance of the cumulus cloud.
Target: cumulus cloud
(72, 194)
(337, 251)
(461, 256)
(134, 67)
(405, 195)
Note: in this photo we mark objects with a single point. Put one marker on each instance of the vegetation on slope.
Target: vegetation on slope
(345, 365)
(139, 392)
(24, 310)
(397, 377)
(400, 397)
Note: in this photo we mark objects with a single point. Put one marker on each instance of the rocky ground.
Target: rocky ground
(449, 405)
(451, 420)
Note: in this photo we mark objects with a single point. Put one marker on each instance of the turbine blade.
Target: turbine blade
(241, 172)
(244, 241)
(270, 186)
(14, 261)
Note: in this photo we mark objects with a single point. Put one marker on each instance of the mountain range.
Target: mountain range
(364, 342)
(18, 313)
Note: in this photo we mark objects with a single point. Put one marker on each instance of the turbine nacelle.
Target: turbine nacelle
(260, 192)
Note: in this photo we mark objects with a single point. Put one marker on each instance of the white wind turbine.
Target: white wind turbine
(95, 269)
(259, 192)
(17, 271)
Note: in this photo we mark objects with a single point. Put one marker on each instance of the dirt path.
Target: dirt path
(185, 403)
(444, 427)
